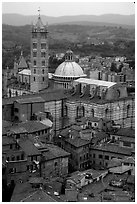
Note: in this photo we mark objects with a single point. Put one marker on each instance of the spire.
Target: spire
(39, 12)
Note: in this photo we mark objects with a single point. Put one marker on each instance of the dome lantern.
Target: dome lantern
(69, 56)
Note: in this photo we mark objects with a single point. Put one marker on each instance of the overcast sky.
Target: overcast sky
(69, 8)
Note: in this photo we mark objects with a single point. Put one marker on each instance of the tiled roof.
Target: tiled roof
(120, 169)
(99, 136)
(77, 142)
(28, 147)
(126, 132)
(17, 129)
(30, 100)
(38, 196)
(127, 139)
(45, 95)
(54, 152)
(32, 126)
(113, 148)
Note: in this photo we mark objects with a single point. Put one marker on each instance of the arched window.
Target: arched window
(128, 110)
(65, 110)
(9, 93)
(35, 62)
(92, 113)
(106, 112)
(12, 158)
(80, 111)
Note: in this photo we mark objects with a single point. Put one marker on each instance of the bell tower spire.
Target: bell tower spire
(39, 56)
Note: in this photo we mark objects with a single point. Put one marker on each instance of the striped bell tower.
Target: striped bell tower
(39, 56)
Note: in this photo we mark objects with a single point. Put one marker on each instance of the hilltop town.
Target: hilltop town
(68, 134)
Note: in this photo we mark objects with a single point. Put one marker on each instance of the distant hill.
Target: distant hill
(107, 19)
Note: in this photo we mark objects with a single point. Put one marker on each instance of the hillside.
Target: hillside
(106, 19)
(83, 39)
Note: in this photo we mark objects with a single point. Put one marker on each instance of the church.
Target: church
(84, 97)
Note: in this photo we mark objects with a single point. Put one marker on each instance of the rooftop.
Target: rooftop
(29, 148)
(77, 142)
(113, 148)
(128, 132)
(23, 192)
(54, 95)
(32, 126)
(54, 152)
(30, 100)
(95, 82)
(119, 169)
(25, 72)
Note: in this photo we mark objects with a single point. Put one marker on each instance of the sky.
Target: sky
(58, 8)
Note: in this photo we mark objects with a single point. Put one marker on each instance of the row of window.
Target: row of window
(34, 78)
(43, 54)
(100, 156)
(43, 71)
(43, 63)
(17, 158)
(43, 45)
(84, 157)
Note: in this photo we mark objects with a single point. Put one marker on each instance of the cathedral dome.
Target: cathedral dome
(69, 68)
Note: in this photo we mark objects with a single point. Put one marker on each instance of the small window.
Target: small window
(35, 63)
(94, 155)
(34, 78)
(10, 146)
(18, 158)
(34, 45)
(127, 144)
(43, 45)
(43, 63)
(55, 164)
(34, 54)
(100, 156)
(43, 54)
(106, 157)
(42, 78)
(42, 71)
(34, 35)
(34, 71)
(12, 158)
